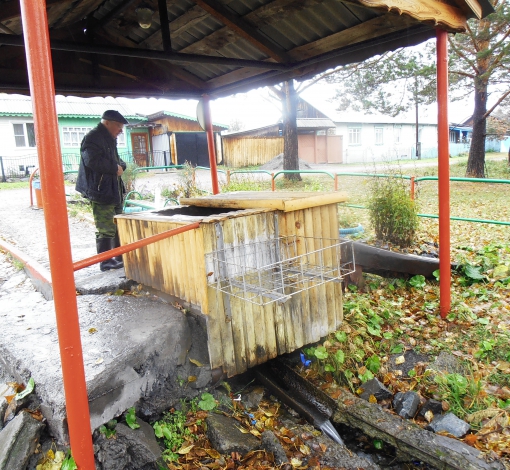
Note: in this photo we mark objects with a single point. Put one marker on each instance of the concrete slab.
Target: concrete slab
(104, 282)
(131, 347)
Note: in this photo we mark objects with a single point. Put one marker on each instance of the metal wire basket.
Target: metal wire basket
(273, 270)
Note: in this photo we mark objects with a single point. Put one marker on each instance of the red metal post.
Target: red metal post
(210, 144)
(42, 90)
(443, 173)
(412, 189)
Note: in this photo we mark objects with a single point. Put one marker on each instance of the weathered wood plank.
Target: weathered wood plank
(440, 451)
(286, 201)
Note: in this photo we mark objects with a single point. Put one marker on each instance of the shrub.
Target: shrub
(393, 214)
(129, 177)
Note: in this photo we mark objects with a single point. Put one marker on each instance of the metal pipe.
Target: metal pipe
(42, 90)
(210, 145)
(132, 246)
(443, 173)
(435, 216)
(308, 172)
(30, 185)
(173, 57)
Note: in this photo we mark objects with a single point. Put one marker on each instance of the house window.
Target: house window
(121, 139)
(355, 136)
(379, 136)
(24, 134)
(74, 135)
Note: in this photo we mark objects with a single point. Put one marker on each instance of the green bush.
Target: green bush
(393, 215)
(129, 177)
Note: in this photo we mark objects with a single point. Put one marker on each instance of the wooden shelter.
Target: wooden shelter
(263, 271)
(195, 47)
(205, 48)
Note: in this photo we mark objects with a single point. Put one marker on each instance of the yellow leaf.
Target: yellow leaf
(92, 331)
(197, 363)
(99, 361)
(185, 450)
(119, 292)
(372, 399)
(400, 360)
(304, 449)
(192, 378)
(244, 431)
(50, 454)
(295, 462)
(323, 447)
(214, 454)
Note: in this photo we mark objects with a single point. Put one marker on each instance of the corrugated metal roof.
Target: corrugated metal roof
(18, 105)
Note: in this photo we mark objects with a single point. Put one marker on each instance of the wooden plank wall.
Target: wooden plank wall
(243, 334)
(241, 152)
(175, 265)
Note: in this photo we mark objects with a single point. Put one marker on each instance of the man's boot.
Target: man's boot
(106, 244)
(117, 244)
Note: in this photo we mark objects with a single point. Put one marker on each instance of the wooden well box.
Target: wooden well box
(263, 268)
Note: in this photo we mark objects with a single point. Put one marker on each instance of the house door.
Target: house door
(140, 146)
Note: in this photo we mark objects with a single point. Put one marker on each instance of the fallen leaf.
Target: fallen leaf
(192, 378)
(92, 331)
(185, 450)
(197, 363)
(304, 449)
(213, 453)
(470, 439)
(372, 399)
(400, 360)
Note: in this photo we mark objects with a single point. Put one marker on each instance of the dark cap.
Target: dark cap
(112, 115)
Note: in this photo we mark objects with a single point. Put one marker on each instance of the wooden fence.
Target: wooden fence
(241, 152)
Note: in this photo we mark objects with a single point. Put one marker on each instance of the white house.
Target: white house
(371, 138)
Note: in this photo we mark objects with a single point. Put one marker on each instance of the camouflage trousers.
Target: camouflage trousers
(103, 218)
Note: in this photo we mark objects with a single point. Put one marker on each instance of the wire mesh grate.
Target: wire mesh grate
(273, 270)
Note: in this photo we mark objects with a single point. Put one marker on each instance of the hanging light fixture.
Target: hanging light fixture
(144, 16)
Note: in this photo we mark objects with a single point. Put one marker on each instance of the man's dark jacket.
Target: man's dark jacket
(97, 176)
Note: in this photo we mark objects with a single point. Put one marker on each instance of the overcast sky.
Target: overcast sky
(253, 110)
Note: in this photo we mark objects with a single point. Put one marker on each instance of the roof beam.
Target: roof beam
(165, 27)
(243, 29)
(11, 40)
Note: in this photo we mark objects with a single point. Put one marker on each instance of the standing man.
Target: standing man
(99, 180)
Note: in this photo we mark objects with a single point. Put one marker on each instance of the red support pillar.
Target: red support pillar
(42, 90)
(210, 144)
(443, 173)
